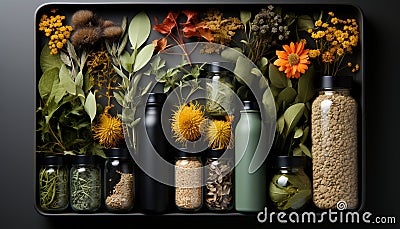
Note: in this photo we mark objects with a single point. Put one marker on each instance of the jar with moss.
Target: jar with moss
(85, 183)
(53, 184)
(290, 187)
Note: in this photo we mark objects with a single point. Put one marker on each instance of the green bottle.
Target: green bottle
(250, 188)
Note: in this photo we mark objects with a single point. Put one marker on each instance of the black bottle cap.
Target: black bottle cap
(215, 153)
(336, 82)
(290, 161)
(53, 160)
(250, 105)
(215, 67)
(183, 152)
(85, 159)
(156, 98)
(117, 152)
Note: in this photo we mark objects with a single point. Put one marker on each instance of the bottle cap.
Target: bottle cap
(53, 160)
(85, 159)
(215, 153)
(290, 161)
(156, 98)
(336, 82)
(215, 67)
(117, 152)
(250, 105)
(182, 152)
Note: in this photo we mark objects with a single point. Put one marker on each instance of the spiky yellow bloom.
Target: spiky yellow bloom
(108, 131)
(186, 122)
(219, 134)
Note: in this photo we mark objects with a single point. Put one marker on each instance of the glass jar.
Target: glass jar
(334, 144)
(219, 180)
(118, 180)
(219, 90)
(290, 187)
(53, 184)
(188, 181)
(85, 183)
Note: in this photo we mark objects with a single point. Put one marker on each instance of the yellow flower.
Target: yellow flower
(219, 134)
(186, 122)
(334, 20)
(314, 53)
(328, 57)
(318, 23)
(108, 131)
(59, 45)
(331, 14)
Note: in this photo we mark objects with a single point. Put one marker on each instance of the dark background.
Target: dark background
(382, 55)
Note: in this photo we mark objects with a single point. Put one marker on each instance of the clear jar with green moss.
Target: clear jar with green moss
(85, 183)
(53, 184)
(290, 187)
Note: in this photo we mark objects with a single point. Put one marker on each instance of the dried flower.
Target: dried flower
(112, 32)
(86, 36)
(108, 131)
(186, 122)
(293, 60)
(57, 32)
(334, 39)
(219, 134)
(83, 18)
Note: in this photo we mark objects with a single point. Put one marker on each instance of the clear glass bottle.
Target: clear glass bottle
(188, 181)
(118, 180)
(85, 183)
(53, 184)
(290, 187)
(219, 180)
(334, 144)
(219, 90)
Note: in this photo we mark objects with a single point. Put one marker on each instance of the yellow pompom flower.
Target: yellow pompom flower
(108, 131)
(219, 134)
(186, 122)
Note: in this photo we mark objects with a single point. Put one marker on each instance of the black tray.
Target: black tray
(115, 11)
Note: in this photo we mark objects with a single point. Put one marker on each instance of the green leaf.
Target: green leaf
(119, 72)
(126, 61)
(287, 95)
(298, 133)
(49, 61)
(305, 150)
(90, 105)
(306, 87)
(243, 70)
(292, 116)
(245, 16)
(231, 54)
(139, 30)
(86, 83)
(264, 64)
(298, 200)
(243, 92)
(143, 57)
(305, 22)
(280, 124)
(278, 78)
(46, 82)
(305, 134)
(79, 80)
(277, 194)
(297, 152)
(119, 98)
(57, 92)
(66, 81)
(135, 122)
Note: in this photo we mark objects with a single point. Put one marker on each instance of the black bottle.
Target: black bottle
(153, 196)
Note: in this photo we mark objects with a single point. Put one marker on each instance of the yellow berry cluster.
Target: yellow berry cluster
(334, 39)
(53, 28)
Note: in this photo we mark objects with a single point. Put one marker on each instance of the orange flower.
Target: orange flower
(293, 60)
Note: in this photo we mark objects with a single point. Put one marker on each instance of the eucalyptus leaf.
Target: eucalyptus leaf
(46, 82)
(90, 106)
(278, 79)
(231, 54)
(49, 61)
(119, 98)
(65, 59)
(126, 61)
(292, 116)
(79, 80)
(305, 150)
(305, 22)
(245, 16)
(139, 30)
(143, 57)
(306, 87)
(122, 45)
(66, 80)
(119, 72)
(298, 200)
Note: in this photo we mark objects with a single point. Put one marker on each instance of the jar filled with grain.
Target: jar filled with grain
(188, 181)
(334, 145)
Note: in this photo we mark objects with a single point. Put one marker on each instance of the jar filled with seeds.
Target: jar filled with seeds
(85, 183)
(219, 180)
(334, 145)
(53, 184)
(118, 180)
(188, 181)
